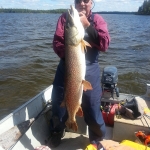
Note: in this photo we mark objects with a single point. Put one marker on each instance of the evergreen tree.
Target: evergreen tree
(145, 8)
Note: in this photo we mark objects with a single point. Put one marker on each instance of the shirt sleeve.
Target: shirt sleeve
(99, 33)
(58, 40)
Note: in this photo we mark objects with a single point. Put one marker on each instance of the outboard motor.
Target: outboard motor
(109, 80)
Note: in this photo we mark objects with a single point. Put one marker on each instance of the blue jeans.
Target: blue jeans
(90, 102)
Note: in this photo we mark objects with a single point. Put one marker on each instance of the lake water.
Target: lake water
(28, 63)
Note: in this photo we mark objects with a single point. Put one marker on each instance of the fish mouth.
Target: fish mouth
(71, 11)
(70, 16)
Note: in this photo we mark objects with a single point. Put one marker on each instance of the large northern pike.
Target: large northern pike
(74, 67)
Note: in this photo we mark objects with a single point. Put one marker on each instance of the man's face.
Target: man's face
(83, 6)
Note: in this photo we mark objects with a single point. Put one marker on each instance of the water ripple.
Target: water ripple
(28, 62)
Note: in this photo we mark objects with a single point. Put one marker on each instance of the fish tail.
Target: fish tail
(72, 125)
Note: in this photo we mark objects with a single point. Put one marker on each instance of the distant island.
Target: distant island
(145, 8)
(11, 10)
(7, 10)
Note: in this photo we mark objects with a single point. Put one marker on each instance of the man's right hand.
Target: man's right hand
(84, 20)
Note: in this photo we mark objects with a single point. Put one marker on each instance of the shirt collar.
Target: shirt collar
(90, 16)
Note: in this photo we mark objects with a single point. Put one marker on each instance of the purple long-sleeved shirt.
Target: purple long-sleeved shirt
(98, 31)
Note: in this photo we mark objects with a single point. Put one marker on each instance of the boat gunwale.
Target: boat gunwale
(25, 104)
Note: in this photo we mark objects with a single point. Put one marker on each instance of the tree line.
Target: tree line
(3, 10)
(145, 8)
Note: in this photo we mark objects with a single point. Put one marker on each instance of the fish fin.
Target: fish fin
(87, 44)
(86, 85)
(83, 45)
(79, 112)
(72, 125)
(63, 104)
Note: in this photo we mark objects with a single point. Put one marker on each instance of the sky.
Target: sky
(100, 5)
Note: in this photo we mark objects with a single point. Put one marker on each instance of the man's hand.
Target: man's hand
(84, 20)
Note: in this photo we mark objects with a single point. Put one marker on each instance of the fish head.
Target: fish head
(74, 30)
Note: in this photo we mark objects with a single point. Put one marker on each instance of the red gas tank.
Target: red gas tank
(108, 113)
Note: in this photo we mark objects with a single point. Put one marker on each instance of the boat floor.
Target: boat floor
(74, 141)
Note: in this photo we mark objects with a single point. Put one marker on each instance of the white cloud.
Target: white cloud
(30, 1)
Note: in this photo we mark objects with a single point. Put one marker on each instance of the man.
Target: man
(98, 37)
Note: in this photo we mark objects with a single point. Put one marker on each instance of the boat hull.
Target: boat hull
(38, 132)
